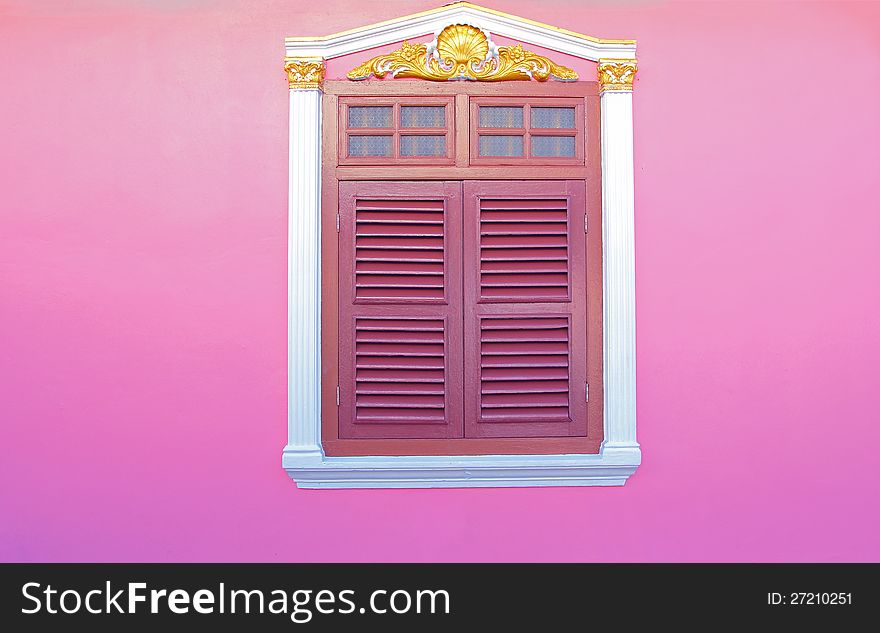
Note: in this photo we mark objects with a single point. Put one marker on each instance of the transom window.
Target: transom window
(501, 130)
(377, 131)
(540, 131)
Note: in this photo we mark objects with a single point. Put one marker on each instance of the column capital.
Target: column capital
(305, 73)
(616, 75)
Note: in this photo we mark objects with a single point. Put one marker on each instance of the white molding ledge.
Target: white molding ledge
(610, 468)
(303, 457)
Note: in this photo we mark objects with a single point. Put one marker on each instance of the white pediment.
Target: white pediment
(428, 23)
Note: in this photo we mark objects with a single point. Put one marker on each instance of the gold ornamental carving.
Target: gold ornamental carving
(462, 51)
(617, 74)
(304, 74)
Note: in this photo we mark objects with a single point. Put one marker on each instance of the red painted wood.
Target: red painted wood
(400, 329)
(525, 309)
(392, 437)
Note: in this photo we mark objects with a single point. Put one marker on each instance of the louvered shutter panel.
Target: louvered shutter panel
(525, 298)
(400, 311)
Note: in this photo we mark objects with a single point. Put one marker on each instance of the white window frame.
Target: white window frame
(303, 456)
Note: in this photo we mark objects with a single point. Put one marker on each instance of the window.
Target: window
(377, 131)
(537, 131)
(458, 314)
(461, 269)
(463, 288)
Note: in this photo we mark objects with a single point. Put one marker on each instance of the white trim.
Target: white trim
(428, 23)
(611, 468)
(618, 298)
(304, 276)
(619, 455)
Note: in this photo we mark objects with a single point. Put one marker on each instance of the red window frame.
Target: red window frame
(527, 131)
(337, 170)
(396, 131)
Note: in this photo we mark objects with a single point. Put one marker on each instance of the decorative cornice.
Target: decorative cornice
(616, 74)
(415, 26)
(454, 8)
(305, 73)
(463, 51)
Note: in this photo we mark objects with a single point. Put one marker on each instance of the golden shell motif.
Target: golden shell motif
(462, 51)
(459, 47)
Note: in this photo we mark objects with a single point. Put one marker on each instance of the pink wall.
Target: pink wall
(142, 293)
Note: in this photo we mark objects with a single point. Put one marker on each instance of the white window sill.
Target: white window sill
(611, 467)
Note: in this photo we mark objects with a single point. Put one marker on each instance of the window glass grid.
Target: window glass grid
(397, 130)
(370, 116)
(425, 145)
(429, 116)
(526, 131)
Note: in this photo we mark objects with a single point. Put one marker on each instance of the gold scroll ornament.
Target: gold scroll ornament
(462, 51)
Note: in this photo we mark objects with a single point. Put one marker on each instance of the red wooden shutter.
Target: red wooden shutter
(525, 299)
(400, 312)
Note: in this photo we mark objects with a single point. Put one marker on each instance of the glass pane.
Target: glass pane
(423, 116)
(550, 146)
(552, 117)
(501, 145)
(423, 145)
(369, 116)
(501, 116)
(369, 146)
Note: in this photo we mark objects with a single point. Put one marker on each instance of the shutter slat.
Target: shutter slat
(523, 347)
(383, 325)
(397, 334)
(391, 255)
(533, 386)
(397, 375)
(516, 268)
(529, 335)
(390, 388)
(492, 374)
(525, 323)
(516, 241)
(524, 255)
(527, 414)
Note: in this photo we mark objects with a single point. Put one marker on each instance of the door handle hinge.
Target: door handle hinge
(337, 395)
(587, 391)
(337, 223)
(586, 222)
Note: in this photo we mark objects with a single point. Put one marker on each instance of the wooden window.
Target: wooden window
(525, 296)
(376, 131)
(400, 310)
(463, 292)
(509, 130)
(425, 314)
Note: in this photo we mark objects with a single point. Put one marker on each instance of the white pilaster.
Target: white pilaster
(304, 277)
(619, 266)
